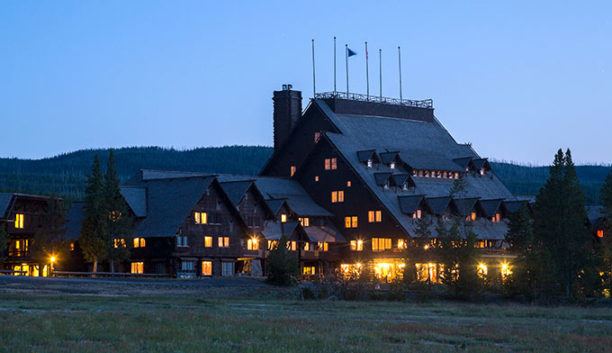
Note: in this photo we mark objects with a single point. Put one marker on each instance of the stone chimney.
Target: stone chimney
(287, 111)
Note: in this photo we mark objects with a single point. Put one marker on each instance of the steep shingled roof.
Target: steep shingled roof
(136, 199)
(422, 144)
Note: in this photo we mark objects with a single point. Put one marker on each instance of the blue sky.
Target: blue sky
(517, 79)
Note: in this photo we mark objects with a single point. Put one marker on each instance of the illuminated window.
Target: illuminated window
(118, 243)
(200, 217)
(308, 271)
(207, 269)
(505, 270)
(330, 164)
(381, 244)
(272, 244)
(71, 246)
(482, 270)
(223, 242)
(337, 196)
(316, 178)
(307, 246)
(304, 221)
(374, 216)
(253, 244)
(323, 246)
(471, 217)
(20, 247)
(292, 245)
(137, 268)
(283, 218)
(418, 214)
(181, 241)
(349, 184)
(600, 233)
(208, 241)
(317, 137)
(292, 170)
(140, 242)
(402, 244)
(351, 222)
(496, 218)
(357, 245)
(19, 220)
(392, 165)
(369, 163)
(429, 272)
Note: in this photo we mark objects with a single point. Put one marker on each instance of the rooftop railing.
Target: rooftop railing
(426, 103)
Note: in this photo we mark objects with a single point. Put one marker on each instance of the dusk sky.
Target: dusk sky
(518, 80)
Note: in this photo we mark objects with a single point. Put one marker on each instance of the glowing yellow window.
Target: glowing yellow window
(349, 184)
(337, 196)
(19, 220)
(482, 270)
(323, 246)
(402, 244)
(272, 244)
(71, 246)
(600, 233)
(292, 245)
(140, 242)
(208, 241)
(351, 222)
(284, 218)
(137, 267)
(304, 221)
(472, 217)
(308, 271)
(496, 218)
(120, 243)
(253, 244)
(381, 244)
(207, 268)
(223, 242)
(200, 217)
(357, 245)
(307, 246)
(292, 170)
(374, 216)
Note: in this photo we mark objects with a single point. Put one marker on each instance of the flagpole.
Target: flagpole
(367, 72)
(335, 90)
(380, 72)
(399, 58)
(347, 74)
(314, 82)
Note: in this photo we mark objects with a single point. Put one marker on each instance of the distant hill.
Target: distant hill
(65, 174)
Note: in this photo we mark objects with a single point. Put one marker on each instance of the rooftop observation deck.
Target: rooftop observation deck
(425, 103)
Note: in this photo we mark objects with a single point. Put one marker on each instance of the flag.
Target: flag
(349, 52)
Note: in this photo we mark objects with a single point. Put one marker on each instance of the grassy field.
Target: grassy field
(122, 317)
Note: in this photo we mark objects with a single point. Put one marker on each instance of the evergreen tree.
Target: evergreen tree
(94, 235)
(605, 245)
(283, 265)
(459, 257)
(4, 239)
(118, 220)
(48, 240)
(414, 249)
(561, 233)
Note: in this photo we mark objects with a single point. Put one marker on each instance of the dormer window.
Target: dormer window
(405, 186)
(496, 218)
(386, 186)
(600, 233)
(369, 163)
(292, 170)
(483, 171)
(283, 218)
(392, 165)
(471, 217)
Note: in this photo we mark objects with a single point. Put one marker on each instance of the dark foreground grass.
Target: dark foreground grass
(34, 322)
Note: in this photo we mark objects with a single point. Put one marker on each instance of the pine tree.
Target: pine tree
(48, 240)
(118, 221)
(521, 240)
(459, 257)
(283, 265)
(414, 249)
(605, 245)
(4, 239)
(560, 231)
(94, 235)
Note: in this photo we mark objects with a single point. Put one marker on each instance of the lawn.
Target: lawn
(198, 320)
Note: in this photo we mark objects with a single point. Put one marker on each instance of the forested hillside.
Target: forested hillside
(66, 174)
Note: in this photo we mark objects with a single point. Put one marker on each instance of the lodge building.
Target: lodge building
(351, 184)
